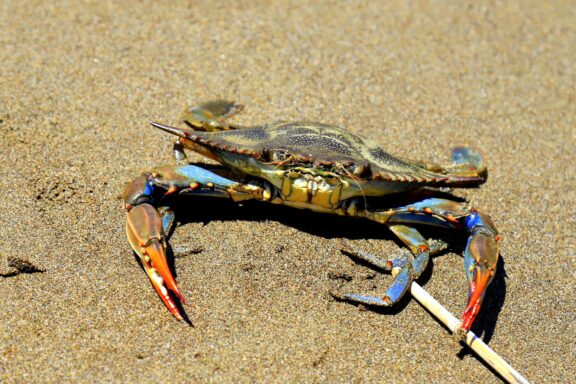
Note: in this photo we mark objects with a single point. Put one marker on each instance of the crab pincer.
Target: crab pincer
(145, 232)
(480, 261)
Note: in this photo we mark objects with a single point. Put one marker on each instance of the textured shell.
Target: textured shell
(322, 145)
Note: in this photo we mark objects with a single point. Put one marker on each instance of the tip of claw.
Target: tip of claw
(178, 316)
(180, 296)
(170, 283)
(467, 320)
(161, 277)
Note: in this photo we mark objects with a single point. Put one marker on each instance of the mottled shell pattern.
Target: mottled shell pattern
(323, 147)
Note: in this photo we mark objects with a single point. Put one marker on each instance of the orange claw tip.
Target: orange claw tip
(158, 284)
(169, 303)
(180, 296)
(162, 278)
(482, 277)
(469, 316)
(158, 261)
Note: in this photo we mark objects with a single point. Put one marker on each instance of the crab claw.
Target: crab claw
(146, 236)
(481, 258)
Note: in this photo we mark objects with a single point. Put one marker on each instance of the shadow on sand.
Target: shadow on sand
(204, 210)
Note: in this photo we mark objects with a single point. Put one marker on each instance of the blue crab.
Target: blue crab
(322, 168)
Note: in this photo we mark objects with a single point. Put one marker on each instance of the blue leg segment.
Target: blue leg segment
(393, 294)
(384, 264)
(190, 180)
(185, 178)
(182, 176)
(167, 217)
(408, 270)
(482, 250)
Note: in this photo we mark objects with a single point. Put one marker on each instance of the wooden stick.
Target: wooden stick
(454, 325)
(473, 341)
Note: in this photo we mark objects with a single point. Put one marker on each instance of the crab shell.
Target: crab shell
(267, 151)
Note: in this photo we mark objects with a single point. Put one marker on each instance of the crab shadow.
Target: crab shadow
(204, 210)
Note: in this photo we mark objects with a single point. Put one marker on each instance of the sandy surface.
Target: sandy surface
(80, 81)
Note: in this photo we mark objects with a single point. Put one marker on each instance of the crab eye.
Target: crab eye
(278, 156)
(362, 170)
(274, 155)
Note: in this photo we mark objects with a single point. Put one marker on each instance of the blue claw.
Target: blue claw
(480, 261)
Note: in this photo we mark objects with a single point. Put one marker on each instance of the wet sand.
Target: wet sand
(79, 81)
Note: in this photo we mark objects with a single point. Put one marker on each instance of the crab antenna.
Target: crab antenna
(474, 342)
(182, 132)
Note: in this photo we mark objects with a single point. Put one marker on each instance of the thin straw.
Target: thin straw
(473, 341)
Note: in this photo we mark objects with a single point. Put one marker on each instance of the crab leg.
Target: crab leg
(404, 271)
(482, 250)
(417, 244)
(211, 116)
(480, 261)
(465, 162)
(147, 238)
(398, 261)
(480, 256)
(147, 226)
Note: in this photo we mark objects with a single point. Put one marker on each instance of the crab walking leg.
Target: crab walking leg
(480, 256)
(436, 246)
(465, 162)
(417, 244)
(148, 226)
(376, 261)
(403, 274)
(211, 116)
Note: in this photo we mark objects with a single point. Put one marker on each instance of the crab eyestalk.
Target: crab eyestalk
(480, 260)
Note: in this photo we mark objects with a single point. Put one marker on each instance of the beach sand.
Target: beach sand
(79, 82)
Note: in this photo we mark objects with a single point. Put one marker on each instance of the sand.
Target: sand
(80, 80)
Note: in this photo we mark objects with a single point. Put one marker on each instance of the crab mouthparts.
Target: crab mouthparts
(478, 285)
